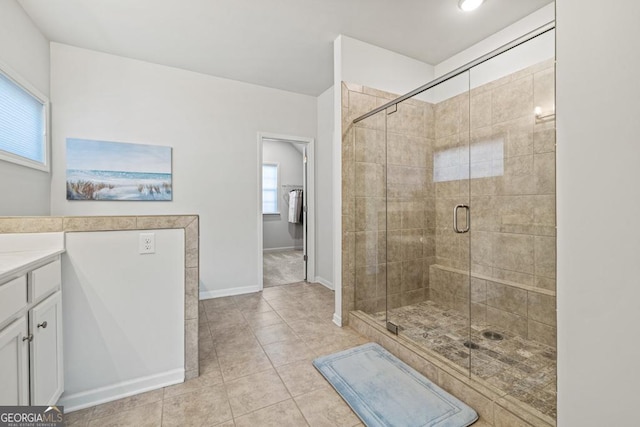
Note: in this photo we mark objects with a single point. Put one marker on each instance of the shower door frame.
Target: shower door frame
(515, 43)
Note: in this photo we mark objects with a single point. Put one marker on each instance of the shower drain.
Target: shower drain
(490, 335)
(471, 345)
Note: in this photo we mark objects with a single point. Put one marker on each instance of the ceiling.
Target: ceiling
(284, 44)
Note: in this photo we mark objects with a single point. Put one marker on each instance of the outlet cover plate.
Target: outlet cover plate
(147, 243)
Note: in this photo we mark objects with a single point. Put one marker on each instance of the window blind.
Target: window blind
(269, 188)
(22, 122)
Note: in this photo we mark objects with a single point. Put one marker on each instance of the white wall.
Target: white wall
(123, 315)
(336, 181)
(23, 47)
(212, 125)
(324, 191)
(278, 233)
(25, 51)
(598, 202)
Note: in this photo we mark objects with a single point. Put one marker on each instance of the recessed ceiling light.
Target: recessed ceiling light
(469, 5)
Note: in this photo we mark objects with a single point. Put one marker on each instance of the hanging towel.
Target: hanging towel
(295, 206)
(293, 201)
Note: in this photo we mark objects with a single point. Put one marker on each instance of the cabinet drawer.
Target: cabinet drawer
(45, 280)
(13, 297)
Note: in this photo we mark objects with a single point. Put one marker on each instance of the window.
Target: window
(269, 188)
(23, 123)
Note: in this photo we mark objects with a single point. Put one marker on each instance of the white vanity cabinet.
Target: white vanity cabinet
(46, 369)
(14, 364)
(31, 364)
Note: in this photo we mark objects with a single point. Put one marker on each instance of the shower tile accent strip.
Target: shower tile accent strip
(190, 224)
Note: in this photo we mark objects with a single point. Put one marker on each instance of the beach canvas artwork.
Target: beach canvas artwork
(103, 170)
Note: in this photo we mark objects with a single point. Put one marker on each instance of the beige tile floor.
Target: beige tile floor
(255, 368)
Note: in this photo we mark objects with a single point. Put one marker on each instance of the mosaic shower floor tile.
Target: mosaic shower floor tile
(523, 369)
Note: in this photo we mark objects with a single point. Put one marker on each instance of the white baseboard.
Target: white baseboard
(229, 292)
(86, 399)
(286, 248)
(324, 282)
(337, 319)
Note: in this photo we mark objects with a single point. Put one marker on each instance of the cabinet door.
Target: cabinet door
(45, 321)
(14, 364)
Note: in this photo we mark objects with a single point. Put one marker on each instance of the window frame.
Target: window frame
(277, 166)
(10, 157)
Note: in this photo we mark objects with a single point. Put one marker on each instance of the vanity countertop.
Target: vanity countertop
(22, 252)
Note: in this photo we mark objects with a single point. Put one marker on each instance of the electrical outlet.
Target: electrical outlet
(147, 243)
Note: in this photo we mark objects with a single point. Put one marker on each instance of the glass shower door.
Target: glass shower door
(428, 220)
(513, 243)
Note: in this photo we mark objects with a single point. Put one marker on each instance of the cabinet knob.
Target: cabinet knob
(28, 338)
(42, 325)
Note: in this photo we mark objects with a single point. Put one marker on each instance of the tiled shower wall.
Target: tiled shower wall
(512, 197)
(410, 203)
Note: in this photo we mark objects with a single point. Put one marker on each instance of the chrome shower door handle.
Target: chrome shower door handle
(455, 218)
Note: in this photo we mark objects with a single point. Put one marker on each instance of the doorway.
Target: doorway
(285, 194)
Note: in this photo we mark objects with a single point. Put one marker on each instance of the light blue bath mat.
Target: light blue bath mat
(384, 391)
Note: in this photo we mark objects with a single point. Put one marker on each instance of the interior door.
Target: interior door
(304, 212)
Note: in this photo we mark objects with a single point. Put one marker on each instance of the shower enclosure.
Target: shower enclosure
(449, 219)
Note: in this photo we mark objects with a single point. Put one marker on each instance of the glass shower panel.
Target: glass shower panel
(369, 208)
(428, 220)
(513, 243)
